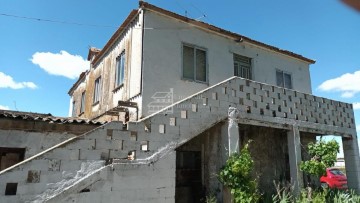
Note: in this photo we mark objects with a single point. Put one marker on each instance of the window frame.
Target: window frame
(283, 78)
(97, 90)
(82, 102)
(195, 47)
(73, 112)
(119, 60)
(250, 67)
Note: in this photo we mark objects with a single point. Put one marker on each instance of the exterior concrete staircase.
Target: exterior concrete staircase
(82, 162)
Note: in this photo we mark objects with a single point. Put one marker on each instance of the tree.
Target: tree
(323, 156)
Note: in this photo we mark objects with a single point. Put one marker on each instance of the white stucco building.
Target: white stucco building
(196, 71)
(155, 50)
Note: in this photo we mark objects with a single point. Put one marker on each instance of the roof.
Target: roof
(145, 5)
(20, 115)
(221, 31)
(100, 52)
(114, 37)
(81, 78)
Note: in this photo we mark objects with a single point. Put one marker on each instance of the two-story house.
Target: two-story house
(155, 50)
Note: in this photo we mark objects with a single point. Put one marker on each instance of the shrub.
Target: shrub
(236, 174)
(323, 156)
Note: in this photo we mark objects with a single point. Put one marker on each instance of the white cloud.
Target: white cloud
(348, 84)
(62, 64)
(356, 105)
(4, 107)
(8, 82)
(358, 128)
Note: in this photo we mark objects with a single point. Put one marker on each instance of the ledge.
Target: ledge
(118, 88)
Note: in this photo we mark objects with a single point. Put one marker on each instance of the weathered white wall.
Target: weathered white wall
(150, 183)
(34, 142)
(129, 41)
(163, 59)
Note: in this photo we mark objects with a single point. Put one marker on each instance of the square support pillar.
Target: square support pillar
(233, 130)
(294, 147)
(233, 138)
(352, 162)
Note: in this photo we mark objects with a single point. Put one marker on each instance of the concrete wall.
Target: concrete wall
(212, 146)
(129, 41)
(135, 183)
(269, 151)
(37, 136)
(33, 142)
(163, 59)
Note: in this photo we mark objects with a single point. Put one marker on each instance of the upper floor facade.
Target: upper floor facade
(157, 57)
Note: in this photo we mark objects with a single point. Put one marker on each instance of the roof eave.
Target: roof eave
(77, 83)
(115, 36)
(221, 31)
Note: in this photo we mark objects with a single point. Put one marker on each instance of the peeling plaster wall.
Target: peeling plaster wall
(129, 42)
(163, 59)
(150, 183)
(33, 142)
(211, 144)
(269, 151)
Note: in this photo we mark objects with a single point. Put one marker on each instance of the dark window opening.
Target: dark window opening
(242, 66)
(11, 188)
(188, 177)
(73, 109)
(283, 79)
(82, 104)
(10, 156)
(97, 90)
(120, 69)
(85, 190)
(194, 63)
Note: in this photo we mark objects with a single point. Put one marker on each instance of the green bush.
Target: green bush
(211, 199)
(236, 174)
(323, 156)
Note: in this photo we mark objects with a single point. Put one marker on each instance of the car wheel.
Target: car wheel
(324, 185)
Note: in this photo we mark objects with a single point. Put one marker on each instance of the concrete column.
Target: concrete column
(294, 147)
(233, 131)
(224, 194)
(352, 162)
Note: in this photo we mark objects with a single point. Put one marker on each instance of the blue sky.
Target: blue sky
(41, 60)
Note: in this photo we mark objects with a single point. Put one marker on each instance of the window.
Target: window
(97, 90)
(10, 156)
(73, 109)
(11, 188)
(242, 66)
(194, 64)
(82, 105)
(120, 67)
(283, 79)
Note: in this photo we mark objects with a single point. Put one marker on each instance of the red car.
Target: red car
(334, 178)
